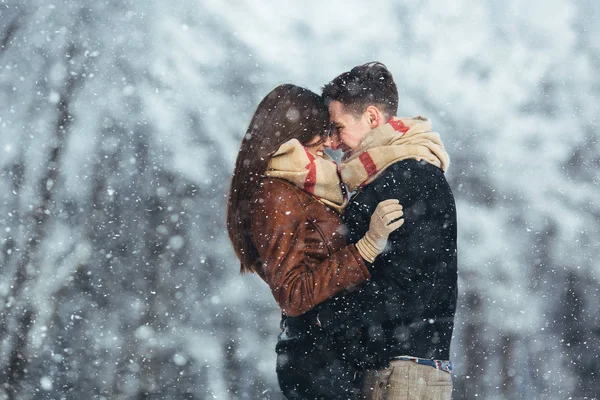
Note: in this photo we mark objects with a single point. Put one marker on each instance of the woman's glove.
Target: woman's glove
(386, 218)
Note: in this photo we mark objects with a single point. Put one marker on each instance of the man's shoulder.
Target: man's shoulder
(411, 164)
(404, 170)
(404, 177)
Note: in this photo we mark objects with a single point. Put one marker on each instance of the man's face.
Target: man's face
(348, 130)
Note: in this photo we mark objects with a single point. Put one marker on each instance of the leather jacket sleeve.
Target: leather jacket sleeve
(300, 274)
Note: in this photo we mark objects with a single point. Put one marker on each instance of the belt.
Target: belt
(445, 366)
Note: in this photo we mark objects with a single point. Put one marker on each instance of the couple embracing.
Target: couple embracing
(361, 257)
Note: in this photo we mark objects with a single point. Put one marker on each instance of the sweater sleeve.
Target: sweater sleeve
(298, 282)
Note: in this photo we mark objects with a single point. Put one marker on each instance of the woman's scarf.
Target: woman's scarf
(317, 176)
(399, 139)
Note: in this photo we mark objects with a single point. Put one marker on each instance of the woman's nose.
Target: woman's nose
(327, 142)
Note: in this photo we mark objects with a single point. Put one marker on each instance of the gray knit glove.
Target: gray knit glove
(386, 218)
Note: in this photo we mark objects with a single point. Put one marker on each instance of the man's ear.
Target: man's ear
(374, 116)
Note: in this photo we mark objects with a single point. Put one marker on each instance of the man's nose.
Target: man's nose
(335, 142)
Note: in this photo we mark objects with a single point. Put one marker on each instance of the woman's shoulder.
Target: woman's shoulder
(279, 200)
(274, 183)
(280, 191)
(278, 187)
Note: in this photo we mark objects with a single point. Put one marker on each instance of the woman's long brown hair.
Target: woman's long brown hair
(287, 112)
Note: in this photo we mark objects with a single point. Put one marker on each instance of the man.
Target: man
(406, 312)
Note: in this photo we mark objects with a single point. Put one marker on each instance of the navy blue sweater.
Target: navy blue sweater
(408, 306)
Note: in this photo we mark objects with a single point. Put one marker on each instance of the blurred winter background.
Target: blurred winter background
(119, 125)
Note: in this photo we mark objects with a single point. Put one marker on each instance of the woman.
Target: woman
(283, 221)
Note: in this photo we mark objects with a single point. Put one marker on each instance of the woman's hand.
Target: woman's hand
(386, 218)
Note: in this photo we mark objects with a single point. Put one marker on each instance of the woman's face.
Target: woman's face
(317, 144)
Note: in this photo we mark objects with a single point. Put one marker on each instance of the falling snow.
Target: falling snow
(119, 125)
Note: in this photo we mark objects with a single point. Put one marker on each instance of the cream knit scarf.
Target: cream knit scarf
(317, 176)
(399, 139)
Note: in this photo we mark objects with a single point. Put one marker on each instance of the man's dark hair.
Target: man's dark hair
(364, 85)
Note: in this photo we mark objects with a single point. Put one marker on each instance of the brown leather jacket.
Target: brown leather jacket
(305, 259)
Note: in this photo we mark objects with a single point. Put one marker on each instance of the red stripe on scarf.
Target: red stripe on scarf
(311, 179)
(398, 125)
(368, 163)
